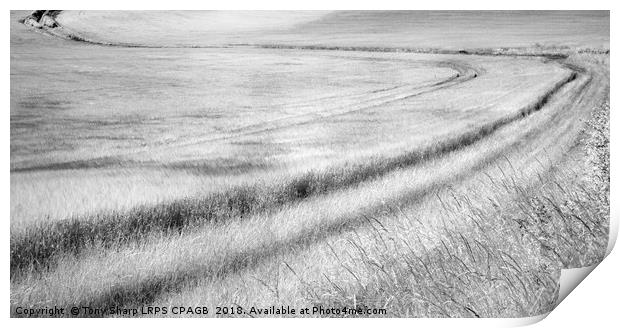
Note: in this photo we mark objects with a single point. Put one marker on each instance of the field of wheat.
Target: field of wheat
(273, 162)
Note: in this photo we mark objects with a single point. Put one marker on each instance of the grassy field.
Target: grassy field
(260, 165)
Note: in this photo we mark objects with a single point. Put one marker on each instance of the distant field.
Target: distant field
(185, 162)
(417, 29)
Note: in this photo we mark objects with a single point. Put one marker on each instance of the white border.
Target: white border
(593, 303)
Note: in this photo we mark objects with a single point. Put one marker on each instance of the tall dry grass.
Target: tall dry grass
(506, 264)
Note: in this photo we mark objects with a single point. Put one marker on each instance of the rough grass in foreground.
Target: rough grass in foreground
(506, 265)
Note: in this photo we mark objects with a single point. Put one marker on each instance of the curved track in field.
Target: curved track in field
(346, 105)
(294, 224)
(337, 180)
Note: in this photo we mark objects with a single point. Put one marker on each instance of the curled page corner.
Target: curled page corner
(570, 278)
(527, 320)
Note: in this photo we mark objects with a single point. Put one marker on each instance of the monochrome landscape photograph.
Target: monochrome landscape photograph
(301, 164)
